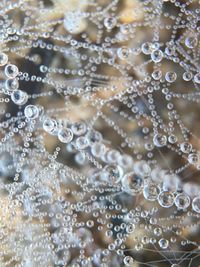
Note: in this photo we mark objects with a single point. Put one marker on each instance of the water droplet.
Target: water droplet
(163, 243)
(128, 261)
(112, 174)
(166, 199)
(110, 22)
(182, 201)
(11, 71)
(78, 128)
(146, 48)
(19, 97)
(50, 125)
(123, 52)
(151, 191)
(185, 147)
(191, 41)
(3, 59)
(65, 135)
(196, 204)
(157, 56)
(31, 112)
(132, 183)
(170, 76)
(11, 84)
(160, 140)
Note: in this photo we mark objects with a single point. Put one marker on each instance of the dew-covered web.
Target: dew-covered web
(99, 133)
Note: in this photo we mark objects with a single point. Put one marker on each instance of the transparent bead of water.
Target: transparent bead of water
(19, 97)
(172, 139)
(128, 261)
(163, 243)
(146, 48)
(170, 50)
(50, 125)
(112, 173)
(170, 76)
(98, 149)
(112, 155)
(187, 76)
(132, 183)
(110, 22)
(159, 140)
(81, 142)
(11, 71)
(151, 191)
(65, 135)
(157, 56)
(166, 199)
(182, 201)
(157, 74)
(185, 147)
(123, 52)
(11, 84)
(3, 59)
(158, 231)
(191, 41)
(31, 112)
(80, 158)
(43, 68)
(196, 204)
(193, 158)
(79, 128)
(93, 137)
(197, 78)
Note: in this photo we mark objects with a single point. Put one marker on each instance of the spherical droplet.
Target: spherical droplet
(98, 149)
(11, 71)
(166, 199)
(157, 74)
(112, 173)
(79, 128)
(163, 243)
(110, 22)
(93, 137)
(132, 183)
(82, 142)
(11, 84)
(146, 48)
(160, 140)
(187, 76)
(50, 125)
(191, 41)
(123, 52)
(151, 191)
(196, 204)
(19, 97)
(31, 112)
(172, 139)
(65, 135)
(170, 76)
(128, 261)
(193, 158)
(182, 201)
(157, 56)
(185, 147)
(3, 59)
(197, 78)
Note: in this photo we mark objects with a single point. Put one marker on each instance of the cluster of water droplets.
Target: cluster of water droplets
(99, 149)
